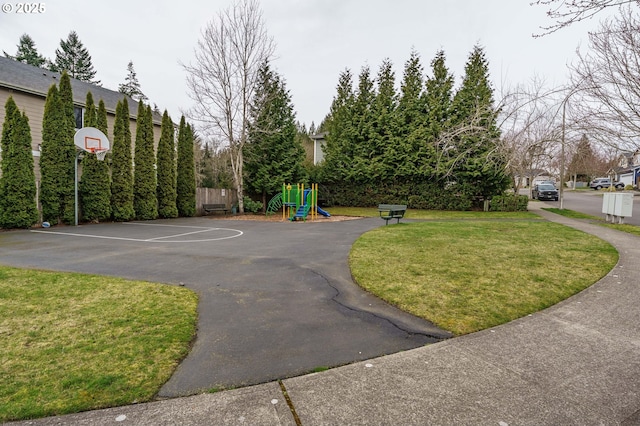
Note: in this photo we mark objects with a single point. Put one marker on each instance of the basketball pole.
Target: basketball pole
(78, 152)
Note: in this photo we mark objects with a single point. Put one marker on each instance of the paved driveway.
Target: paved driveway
(276, 299)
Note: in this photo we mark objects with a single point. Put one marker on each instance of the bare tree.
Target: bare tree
(223, 78)
(566, 12)
(607, 80)
(529, 125)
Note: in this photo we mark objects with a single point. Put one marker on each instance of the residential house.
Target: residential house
(319, 141)
(531, 177)
(29, 85)
(628, 168)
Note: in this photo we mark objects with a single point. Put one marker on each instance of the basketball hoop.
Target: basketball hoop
(88, 139)
(100, 153)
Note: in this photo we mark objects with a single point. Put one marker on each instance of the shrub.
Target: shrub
(509, 203)
(628, 188)
(427, 196)
(251, 206)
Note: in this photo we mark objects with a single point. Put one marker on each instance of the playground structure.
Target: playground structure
(297, 202)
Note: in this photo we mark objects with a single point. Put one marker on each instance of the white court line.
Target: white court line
(157, 239)
(86, 235)
(182, 235)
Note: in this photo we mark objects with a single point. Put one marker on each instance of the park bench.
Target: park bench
(391, 211)
(210, 208)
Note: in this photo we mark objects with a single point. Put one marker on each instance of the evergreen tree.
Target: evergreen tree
(438, 98)
(121, 174)
(338, 149)
(204, 166)
(584, 163)
(11, 109)
(439, 94)
(18, 208)
(478, 167)
(186, 179)
(68, 147)
(166, 170)
(74, 58)
(95, 185)
(58, 155)
(101, 119)
(49, 167)
(407, 154)
(362, 120)
(90, 112)
(383, 125)
(131, 86)
(145, 202)
(272, 155)
(27, 53)
(8, 129)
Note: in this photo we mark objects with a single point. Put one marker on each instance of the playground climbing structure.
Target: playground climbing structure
(297, 202)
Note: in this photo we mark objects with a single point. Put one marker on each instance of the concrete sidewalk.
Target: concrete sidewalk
(576, 363)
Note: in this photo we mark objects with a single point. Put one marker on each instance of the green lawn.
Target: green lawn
(624, 227)
(74, 342)
(466, 276)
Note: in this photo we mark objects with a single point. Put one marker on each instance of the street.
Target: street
(590, 202)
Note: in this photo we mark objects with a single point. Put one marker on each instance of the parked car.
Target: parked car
(600, 183)
(544, 191)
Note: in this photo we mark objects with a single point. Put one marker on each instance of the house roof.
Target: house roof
(37, 81)
(319, 136)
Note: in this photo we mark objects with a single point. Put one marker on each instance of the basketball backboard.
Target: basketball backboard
(91, 139)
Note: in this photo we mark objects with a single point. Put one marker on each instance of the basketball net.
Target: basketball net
(100, 153)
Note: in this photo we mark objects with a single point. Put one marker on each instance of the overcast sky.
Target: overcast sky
(315, 40)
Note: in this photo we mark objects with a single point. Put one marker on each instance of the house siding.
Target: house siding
(33, 106)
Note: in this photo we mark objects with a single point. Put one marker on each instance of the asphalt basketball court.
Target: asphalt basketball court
(276, 298)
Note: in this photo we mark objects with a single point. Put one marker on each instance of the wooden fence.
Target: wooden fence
(228, 197)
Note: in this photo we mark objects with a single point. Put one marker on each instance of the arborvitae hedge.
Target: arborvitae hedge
(429, 196)
(121, 175)
(145, 201)
(166, 170)
(18, 208)
(56, 160)
(186, 179)
(95, 183)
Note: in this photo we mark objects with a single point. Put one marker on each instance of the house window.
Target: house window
(77, 113)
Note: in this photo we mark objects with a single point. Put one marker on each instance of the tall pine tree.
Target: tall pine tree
(273, 155)
(27, 52)
(95, 183)
(438, 96)
(166, 170)
(407, 151)
(478, 168)
(121, 172)
(131, 86)
(74, 58)
(145, 201)
(362, 121)
(383, 125)
(186, 179)
(338, 149)
(18, 207)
